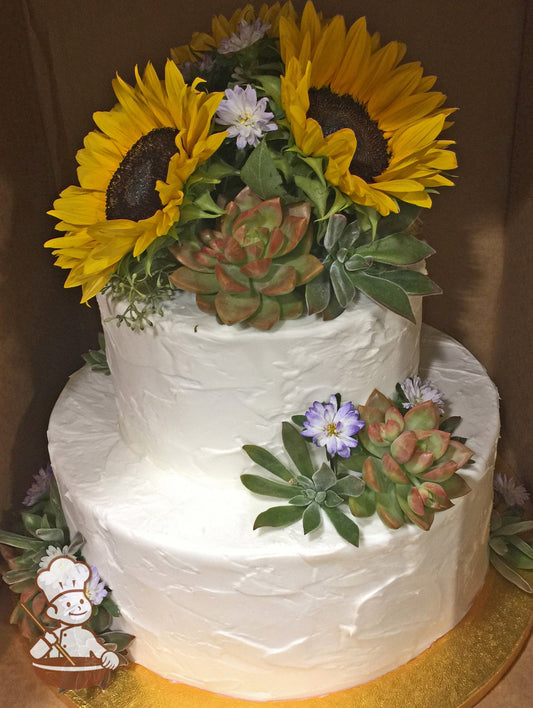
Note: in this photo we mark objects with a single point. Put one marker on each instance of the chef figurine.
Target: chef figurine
(63, 584)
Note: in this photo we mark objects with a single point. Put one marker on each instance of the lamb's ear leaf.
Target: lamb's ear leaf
(260, 485)
(297, 449)
(266, 459)
(345, 527)
(279, 516)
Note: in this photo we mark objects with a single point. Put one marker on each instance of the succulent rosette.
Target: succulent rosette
(409, 463)
(249, 269)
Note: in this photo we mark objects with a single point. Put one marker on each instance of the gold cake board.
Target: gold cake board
(456, 672)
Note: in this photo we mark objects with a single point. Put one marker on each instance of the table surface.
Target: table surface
(22, 689)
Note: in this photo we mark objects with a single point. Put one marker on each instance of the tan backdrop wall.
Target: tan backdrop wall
(58, 59)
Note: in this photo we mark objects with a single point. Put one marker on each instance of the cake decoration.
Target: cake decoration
(273, 120)
(405, 465)
(65, 583)
(44, 565)
(270, 182)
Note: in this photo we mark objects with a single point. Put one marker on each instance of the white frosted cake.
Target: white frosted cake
(263, 198)
(148, 462)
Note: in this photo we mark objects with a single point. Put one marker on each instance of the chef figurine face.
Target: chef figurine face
(71, 608)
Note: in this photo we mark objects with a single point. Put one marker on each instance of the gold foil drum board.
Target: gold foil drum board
(456, 672)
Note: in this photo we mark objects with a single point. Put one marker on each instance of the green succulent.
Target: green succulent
(357, 262)
(508, 552)
(308, 493)
(251, 267)
(408, 463)
(96, 358)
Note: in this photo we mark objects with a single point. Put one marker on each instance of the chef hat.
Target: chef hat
(62, 575)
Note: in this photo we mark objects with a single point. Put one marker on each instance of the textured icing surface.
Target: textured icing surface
(269, 614)
(189, 386)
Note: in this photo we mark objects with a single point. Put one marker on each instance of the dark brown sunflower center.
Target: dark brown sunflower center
(131, 193)
(333, 112)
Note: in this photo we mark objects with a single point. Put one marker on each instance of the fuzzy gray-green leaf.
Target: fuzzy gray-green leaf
(318, 293)
(509, 574)
(384, 293)
(511, 529)
(324, 477)
(349, 486)
(266, 459)
(297, 449)
(342, 284)
(344, 526)
(279, 516)
(17, 541)
(266, 487)
(397, 249)
(51, 535)
(311, 518)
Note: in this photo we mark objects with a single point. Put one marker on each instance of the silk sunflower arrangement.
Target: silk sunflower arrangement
(277, 170)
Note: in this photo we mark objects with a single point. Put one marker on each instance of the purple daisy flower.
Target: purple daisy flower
(331, 428)
(246, 116)
(40, 485)
(95, 587)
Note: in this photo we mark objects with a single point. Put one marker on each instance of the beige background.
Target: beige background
(58, 58)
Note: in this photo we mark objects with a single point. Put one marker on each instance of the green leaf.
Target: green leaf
(509, 574)
(344, 526)
(355, 462)
(17, 576)
(279, 516)
(450, 425)
(311, 517)
(121, 640)
(298, 420)
(55, 536)
(324, 478)
(395, 223)
(384, 293)
(511, 529)
(31, 522)
(110, 606)
(260, 174)
(318, 293)
(267, 460)
(333, 499)
(349, 486)
(297, 449)
(342, 283)
(498, 545)
(396, 249)
(340, 203)
(17, 541)
(517, 558)
(260, 485)
(314, 190)
(271, 85)
(413, 282)
(522, 546)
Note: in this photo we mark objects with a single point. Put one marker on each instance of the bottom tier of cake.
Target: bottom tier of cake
(270, 614)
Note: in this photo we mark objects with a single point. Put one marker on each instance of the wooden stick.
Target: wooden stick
(43, 628)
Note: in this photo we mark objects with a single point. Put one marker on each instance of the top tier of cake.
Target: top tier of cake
(192, 390)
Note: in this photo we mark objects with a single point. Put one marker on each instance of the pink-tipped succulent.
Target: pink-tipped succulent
(410, 465)
(250, 268)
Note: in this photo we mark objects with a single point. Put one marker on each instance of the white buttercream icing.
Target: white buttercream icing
(190, 388)
(270, 614)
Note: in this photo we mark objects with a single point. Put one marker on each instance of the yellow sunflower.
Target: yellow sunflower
(131, 174)
(376, 120)
(222, 27)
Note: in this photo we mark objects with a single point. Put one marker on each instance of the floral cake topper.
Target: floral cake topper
(277, 169)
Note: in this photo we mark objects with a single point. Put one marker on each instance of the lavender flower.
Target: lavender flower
(53, 552)
(514, 494)
(248, 33)
(245, 115)
(40, 485)
(331, 428)
(191, 69)
(95, 587)
(417, 391)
